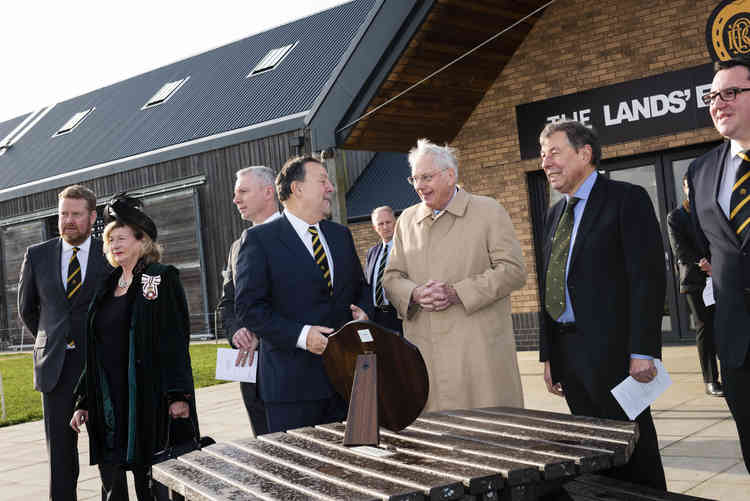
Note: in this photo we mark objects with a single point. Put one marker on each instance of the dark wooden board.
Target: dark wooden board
(410, 477)
(513, 472)
(585, 459)
(620, 452)
(305, 463)
(564, 429)
(462, 474)
(476, 477)
(557, 417)
(197, 485)
(600, 488)
(251, 467)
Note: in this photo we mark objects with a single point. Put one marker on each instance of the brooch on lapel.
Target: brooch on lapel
(150, 289)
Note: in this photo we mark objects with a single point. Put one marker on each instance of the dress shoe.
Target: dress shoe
(714, 389)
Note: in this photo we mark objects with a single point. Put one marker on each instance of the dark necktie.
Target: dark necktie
(321, 259)
(74, 275)
(558, 259)
(739, 208)
(379, 281)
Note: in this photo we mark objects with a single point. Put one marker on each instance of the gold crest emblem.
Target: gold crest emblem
(728, 30)
(743, 191)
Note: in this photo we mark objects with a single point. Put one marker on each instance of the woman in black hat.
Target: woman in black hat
(136, 393)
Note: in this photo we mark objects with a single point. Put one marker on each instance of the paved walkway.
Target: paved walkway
(697, 435)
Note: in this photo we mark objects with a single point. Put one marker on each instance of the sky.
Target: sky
(53, 51)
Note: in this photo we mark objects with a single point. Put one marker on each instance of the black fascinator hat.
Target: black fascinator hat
(129, 210)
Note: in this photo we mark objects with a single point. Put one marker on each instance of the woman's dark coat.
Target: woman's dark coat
(159, 371)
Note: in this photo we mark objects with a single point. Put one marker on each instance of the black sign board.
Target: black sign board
(653, 106)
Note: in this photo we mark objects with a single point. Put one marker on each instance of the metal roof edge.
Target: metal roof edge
(200, 145)
(389, 27)
(345, 57)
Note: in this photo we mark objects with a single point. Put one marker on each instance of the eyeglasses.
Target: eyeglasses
(413, 180)
(726, 95)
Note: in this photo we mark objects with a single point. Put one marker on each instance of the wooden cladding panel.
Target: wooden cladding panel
(451, 29)
(15, 240)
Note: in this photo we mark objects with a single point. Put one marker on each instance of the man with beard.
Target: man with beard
(299, 279)
(58, 280)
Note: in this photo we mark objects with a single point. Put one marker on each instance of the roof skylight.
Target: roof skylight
(73, 122)
(272, 59)
(167, 90)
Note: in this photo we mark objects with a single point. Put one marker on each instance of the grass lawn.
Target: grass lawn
(23, 403)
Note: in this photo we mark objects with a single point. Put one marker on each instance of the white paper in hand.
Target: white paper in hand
(227, 371)
(634, 397)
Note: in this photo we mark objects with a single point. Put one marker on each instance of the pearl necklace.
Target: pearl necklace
(124, 284)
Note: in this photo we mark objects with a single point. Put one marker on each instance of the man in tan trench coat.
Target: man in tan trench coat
(454, 263)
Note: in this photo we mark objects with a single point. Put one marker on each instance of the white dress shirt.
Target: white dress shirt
(67, 253)
(301, 227)
(731, 165)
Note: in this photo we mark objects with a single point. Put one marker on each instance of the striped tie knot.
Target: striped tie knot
(321, 259)
(739, 209)
(74, 281)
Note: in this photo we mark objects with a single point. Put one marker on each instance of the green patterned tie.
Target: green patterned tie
(558, 259)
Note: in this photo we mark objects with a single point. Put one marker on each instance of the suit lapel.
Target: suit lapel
(594, 205)
(57, 267)
(333, 258)
(374, 262)
(717, 174)
(297, 248)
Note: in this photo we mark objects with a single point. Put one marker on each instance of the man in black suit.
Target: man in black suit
(719, 187)
(298, 279)
(603, 287)
(685, 246)
(58, 280)
(385, 314)
(255, 198)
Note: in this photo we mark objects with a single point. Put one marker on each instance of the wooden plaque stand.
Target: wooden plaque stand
(381, 375)
(362, 421)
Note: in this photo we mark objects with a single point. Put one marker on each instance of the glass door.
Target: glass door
(660, 174)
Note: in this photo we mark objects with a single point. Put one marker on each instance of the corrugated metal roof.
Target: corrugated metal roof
(217, 98)
(9, 125)
(382, 183)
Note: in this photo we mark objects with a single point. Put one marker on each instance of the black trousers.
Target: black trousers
(387, 317)
(645, 466)
(62, 441)
(256, 411)
(284, 416)
(704, 335)
(736, 383)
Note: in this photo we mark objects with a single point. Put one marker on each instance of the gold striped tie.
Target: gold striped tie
(321, 259)
(739, 208)
(74, 274)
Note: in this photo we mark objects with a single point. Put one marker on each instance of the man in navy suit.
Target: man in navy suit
(299, 279)
(719, 184)
(58, 280)
(603, 287)
(377, 257)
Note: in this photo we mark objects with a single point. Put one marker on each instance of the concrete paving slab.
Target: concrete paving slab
(697, 437)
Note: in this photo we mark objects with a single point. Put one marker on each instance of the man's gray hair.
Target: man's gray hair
(378, 209)
(445, 156)
(262, 173)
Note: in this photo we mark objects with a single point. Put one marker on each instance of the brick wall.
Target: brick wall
(577, 45)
